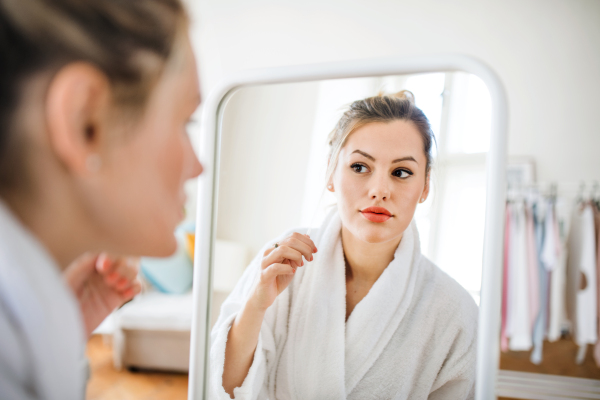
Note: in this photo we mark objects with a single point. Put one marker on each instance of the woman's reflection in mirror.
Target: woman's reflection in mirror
(365, 314)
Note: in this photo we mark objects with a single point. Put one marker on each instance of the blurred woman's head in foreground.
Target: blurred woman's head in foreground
(95, 99)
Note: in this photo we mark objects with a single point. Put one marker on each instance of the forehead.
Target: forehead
(387, 140)
(181, 75)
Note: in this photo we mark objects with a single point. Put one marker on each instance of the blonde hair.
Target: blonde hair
(130, 41)
(380, 108)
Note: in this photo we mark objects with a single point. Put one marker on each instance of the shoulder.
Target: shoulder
(451, 315)
(446, 299)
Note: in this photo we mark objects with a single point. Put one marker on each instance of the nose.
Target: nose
(197, 168)
(380, 189)
(194, 167)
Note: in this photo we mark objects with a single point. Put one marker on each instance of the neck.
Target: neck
(54, 219)
(367, 261)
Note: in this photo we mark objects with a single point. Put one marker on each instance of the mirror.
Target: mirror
(332, 330)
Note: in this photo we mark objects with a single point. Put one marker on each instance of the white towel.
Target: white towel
(412, 336)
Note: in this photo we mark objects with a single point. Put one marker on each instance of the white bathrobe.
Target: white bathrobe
(412, 337)
(41, 330)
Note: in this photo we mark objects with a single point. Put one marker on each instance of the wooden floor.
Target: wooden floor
(107, 383)
(558, 359)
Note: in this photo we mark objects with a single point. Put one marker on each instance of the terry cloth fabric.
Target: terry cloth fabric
(41, 331)
(413, 335)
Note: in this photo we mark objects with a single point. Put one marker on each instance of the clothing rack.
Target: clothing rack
(517, 384)
(583, 189)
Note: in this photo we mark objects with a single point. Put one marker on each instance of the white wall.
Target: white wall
(545, 51)
(263, 162)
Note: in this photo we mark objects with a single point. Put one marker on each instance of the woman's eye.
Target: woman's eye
(359, 168)
(402, 173)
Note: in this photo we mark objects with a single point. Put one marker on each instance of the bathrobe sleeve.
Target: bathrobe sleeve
(254, 386)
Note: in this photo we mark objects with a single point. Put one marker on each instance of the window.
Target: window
(451, 221)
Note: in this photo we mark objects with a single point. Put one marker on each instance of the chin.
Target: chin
(163, 248)
(374, 234)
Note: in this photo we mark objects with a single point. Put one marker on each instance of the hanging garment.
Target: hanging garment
(41, 330)
(581, 277)
(519, 321)
(539, 213)
(550, 247)
(532, 267)
(550, 255)
(558, 279)
(597, 231)
(505, 278)
(413, 336)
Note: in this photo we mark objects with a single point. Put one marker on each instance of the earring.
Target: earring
(93, 163)
(422, 200)
(330, 186)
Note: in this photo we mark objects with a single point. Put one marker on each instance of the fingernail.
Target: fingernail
(311, 258)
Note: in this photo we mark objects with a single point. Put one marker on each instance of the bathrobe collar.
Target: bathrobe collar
(345, 350)
(44, 309)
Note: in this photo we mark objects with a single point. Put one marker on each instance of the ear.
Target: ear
(76, 108)
(425, 189)
(330, 180)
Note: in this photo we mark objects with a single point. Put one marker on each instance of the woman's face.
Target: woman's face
(379, 179)
(139, 189)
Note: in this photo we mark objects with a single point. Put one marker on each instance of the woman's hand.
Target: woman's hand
(279, 266)
(277, 270)
(101, 284)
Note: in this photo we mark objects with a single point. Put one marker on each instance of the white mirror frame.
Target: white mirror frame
(491, 285)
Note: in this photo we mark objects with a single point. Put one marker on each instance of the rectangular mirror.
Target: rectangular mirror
(269, 179)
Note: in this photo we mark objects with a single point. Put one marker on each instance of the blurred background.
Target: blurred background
(546, 54)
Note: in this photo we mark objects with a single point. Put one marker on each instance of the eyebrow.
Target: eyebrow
(370, 157)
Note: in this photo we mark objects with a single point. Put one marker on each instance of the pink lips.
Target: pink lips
(376, 214)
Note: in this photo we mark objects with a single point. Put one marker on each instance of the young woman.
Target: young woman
(355, 311)
(95, 96)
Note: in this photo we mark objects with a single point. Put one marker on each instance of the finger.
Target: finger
(122, 284)
(132, 291)
(306, 239)
(125, 270)
(79, 271)
(275, 270)
(300, 246)
(280, 254)
(268, 251)
(105, 264)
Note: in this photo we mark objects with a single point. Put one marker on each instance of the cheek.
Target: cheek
(348, 190)
(170, 164)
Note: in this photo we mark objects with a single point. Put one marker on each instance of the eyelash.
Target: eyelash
(394, 173)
